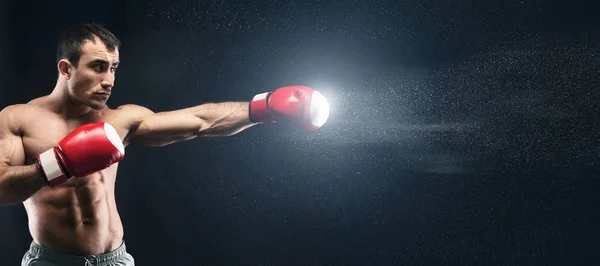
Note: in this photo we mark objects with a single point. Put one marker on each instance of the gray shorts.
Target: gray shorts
(38, 255)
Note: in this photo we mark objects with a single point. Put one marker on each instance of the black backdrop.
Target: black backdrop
(461, 132)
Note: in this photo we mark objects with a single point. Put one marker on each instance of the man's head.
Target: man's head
(87, 58)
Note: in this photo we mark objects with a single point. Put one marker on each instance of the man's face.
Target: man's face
(91, 82)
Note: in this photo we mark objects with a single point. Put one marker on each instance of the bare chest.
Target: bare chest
(47, 129)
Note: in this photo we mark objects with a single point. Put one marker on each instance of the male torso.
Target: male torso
(80, 216)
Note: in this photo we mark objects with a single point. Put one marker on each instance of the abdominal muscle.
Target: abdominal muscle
(78, 217)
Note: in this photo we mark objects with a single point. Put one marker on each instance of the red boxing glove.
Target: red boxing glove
(305, 107)
(86, 150)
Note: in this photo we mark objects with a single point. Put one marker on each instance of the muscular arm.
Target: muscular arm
(18, 182)
(211, 119)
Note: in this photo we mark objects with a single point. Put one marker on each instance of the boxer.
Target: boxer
(59, 153)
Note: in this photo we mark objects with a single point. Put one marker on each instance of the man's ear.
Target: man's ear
(65, 68)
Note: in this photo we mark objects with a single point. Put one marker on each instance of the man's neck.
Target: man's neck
(62, 104)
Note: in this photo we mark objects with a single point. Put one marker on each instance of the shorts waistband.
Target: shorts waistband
(43, 252)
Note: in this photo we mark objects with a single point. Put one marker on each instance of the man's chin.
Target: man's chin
(97, 105)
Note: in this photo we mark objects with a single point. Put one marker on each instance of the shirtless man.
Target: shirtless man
(59, 153)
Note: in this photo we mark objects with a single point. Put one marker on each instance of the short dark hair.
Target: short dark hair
(70, 42)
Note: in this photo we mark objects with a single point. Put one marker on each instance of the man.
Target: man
(59, 153)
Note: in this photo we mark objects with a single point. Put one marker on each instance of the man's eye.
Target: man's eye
(99, 68)
(113, 69)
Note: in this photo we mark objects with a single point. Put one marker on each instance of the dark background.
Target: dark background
(461, 132)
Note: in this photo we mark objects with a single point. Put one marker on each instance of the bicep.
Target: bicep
(143, 125)
(134, 115)
(11, 144)
(11, 151)
(159, 129)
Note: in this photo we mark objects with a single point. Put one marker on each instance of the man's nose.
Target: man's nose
(108, 81)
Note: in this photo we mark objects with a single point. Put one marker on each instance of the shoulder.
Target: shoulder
(13, 116)
(12, 109)
(24, 111)
(133, 110)
(131, 114)
(19, 108)
(19, 111)
(9, 112)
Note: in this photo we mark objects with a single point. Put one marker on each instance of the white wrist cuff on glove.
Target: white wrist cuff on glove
(51, 168)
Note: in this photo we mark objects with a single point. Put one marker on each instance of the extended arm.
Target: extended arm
(211, 119)
(18, 182)
(304, 107)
